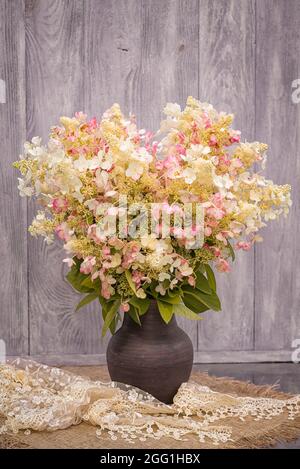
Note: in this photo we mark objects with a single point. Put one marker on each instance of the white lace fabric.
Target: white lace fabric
(42, 398)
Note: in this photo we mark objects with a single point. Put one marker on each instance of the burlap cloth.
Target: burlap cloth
(246, 434)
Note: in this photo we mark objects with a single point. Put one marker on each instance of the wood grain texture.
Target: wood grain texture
(226, 79)
(13, 218)
(55, 61)
(227, 356)
(87, 55)
(167, 69)
(141, 55)
(277, 286)
(168, 66)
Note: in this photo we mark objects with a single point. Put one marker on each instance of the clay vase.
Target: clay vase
(155, 357)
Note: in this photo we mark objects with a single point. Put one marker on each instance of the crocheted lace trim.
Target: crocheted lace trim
(38, 397)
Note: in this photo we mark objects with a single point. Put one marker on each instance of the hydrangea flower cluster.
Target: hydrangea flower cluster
(195, 157)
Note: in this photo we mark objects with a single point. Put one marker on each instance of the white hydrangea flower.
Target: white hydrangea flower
(189, 175)
(135, 170)
(172, 110)
(24, 190)
(163, 276)
(81, 164)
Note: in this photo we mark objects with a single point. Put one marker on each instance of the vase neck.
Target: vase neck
(151, 319)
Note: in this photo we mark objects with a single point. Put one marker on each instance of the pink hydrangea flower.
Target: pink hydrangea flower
(124, 308)
(213, 140)
(63, 231)
(87, 265)
(244, 245)
(191, 281)
(222, 265)
(59, 205)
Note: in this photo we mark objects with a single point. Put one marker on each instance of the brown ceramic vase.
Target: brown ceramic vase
(155, 357)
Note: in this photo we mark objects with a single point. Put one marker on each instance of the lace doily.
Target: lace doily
(37, 397)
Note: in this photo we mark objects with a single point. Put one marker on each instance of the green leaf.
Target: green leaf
(152, 290)
(87, 299)
(175, 292)
(202, 283)
(112, 310)
(184, 311)
(75, 278)
(201, 268)
(103, 307)
(133, 313)
(92, 284)
(211, 301)
(173, 300)
(211, 277)
(113, 324)
(194, 304)
(141, 304)
(166, 310)
(231, 251)
(106, 304)
(130, 281)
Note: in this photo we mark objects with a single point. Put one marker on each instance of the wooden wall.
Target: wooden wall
(61, 56)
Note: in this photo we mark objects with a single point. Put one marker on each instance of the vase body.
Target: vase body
(155, 357)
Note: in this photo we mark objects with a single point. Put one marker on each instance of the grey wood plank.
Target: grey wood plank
(55, 48)
(230, 370)
(226, 79)
(112, 36)
(243, 356)
(285, 376)
(13, 222)
(168, 64)
(277, 276)
(221, 357)
(87, 55)
(148, 57)
(167, 69)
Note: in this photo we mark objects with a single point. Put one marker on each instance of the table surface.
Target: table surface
(285, 375)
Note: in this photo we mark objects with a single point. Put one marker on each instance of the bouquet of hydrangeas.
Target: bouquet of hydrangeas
(117, 195)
